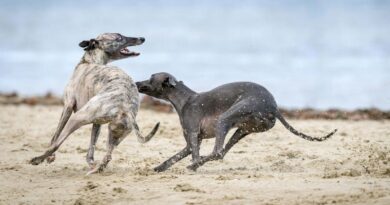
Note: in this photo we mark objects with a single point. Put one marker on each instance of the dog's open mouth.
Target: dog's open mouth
(126, 52)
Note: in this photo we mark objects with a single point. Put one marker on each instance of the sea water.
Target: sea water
(320, 54)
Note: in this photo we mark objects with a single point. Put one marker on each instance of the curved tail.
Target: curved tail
(294, 131)
(141, 138)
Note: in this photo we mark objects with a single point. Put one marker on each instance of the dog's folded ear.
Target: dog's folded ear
(84, 44)
(169, 82)
(88, 45)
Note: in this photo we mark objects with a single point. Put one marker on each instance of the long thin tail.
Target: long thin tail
(294, 131)
(141, 138)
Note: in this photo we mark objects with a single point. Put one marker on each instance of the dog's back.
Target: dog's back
(110, 82)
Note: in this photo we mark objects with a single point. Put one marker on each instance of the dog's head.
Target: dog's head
(159, 85)
(114, 45)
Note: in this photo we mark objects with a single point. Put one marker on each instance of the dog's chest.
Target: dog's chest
(207, 127)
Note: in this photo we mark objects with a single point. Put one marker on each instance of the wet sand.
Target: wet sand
(275, 167)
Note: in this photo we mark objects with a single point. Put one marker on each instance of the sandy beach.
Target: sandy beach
(275, 167)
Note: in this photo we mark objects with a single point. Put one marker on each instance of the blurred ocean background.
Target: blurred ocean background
(319, 54)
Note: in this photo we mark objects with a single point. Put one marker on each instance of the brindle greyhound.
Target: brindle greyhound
(244, 105)
(98, 93)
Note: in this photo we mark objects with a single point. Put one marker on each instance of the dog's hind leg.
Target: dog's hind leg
(94, 137)
(117, 132)
(175, 158)
(237, 136)
(66, 113)
(236, 114)
(77, 120)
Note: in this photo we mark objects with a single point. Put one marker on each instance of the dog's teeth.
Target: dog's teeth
(125, 50)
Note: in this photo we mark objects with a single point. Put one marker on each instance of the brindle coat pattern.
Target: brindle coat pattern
(98, 93)
(247, 106)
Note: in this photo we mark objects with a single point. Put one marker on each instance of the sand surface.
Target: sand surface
(275, 167)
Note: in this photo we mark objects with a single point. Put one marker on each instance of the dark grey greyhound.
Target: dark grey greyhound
(244, 105)
(97, 94)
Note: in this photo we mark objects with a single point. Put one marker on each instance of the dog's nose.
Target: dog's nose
(142, 39)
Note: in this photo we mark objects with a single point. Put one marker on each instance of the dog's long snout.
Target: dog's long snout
(135, 41)
(138, 84)
(142, 87)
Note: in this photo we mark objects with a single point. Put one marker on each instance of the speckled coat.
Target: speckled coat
(99, 93)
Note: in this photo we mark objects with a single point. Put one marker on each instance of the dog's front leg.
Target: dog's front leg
(194, 144)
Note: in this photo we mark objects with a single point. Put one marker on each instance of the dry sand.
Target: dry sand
(275, 167)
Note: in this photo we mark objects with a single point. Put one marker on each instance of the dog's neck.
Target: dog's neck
(180, 96)
(95, 56)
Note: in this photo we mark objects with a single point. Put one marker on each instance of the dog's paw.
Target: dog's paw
(193, 167)
(36, 160)
(50, 159)
(97, 169)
